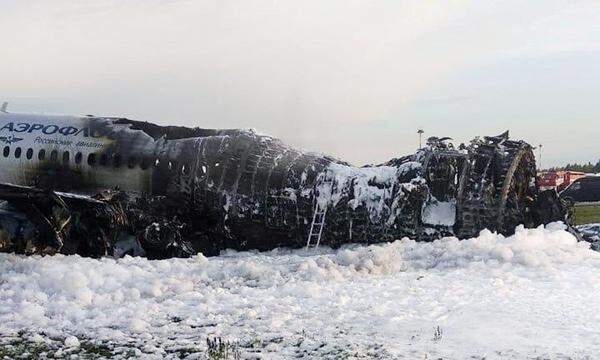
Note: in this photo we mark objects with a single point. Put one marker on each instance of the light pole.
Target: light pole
(420, 132)
(540, 146)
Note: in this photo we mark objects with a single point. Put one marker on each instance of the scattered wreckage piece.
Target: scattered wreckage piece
(591, 234)
(44, 222)
(210, 190)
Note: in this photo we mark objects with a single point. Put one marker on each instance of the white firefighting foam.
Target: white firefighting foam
(369, 187)
(490, 296)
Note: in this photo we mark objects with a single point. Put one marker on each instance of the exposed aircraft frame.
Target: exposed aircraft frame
(209, 190)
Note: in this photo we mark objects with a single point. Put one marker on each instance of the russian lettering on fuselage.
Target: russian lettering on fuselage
(51, 130)
(67, 134)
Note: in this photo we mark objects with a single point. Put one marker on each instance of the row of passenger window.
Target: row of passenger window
(93, 159)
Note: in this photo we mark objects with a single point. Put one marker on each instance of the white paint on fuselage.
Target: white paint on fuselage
(23, 137)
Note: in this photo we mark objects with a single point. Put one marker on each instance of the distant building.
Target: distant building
(558, 180)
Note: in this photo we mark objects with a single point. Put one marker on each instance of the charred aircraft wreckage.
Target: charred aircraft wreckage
(83, 185)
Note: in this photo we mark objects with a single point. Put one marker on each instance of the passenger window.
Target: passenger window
(145, 163)
(18, 153)
(29, 154)
(157, 162)
(117, 160)
(91, 160)
(6, 151)
(66, 157)
(132, 162)
(54, 156)
(41, 155)
(78, 158)
(103, 159)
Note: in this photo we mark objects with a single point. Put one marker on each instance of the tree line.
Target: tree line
(586, 168)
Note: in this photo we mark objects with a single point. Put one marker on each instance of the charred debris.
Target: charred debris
(235, 189)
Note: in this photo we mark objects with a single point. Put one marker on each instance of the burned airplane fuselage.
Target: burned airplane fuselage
(179, 191)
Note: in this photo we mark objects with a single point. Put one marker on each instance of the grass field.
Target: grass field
(586, 214)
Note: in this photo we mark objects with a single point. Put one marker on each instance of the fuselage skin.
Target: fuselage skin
(79, 154)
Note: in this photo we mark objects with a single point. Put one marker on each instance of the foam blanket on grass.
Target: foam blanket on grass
(534, 294)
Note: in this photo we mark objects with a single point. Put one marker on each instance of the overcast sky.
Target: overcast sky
(354, 79)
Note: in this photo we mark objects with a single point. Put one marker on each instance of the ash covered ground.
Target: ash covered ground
(531, 295)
